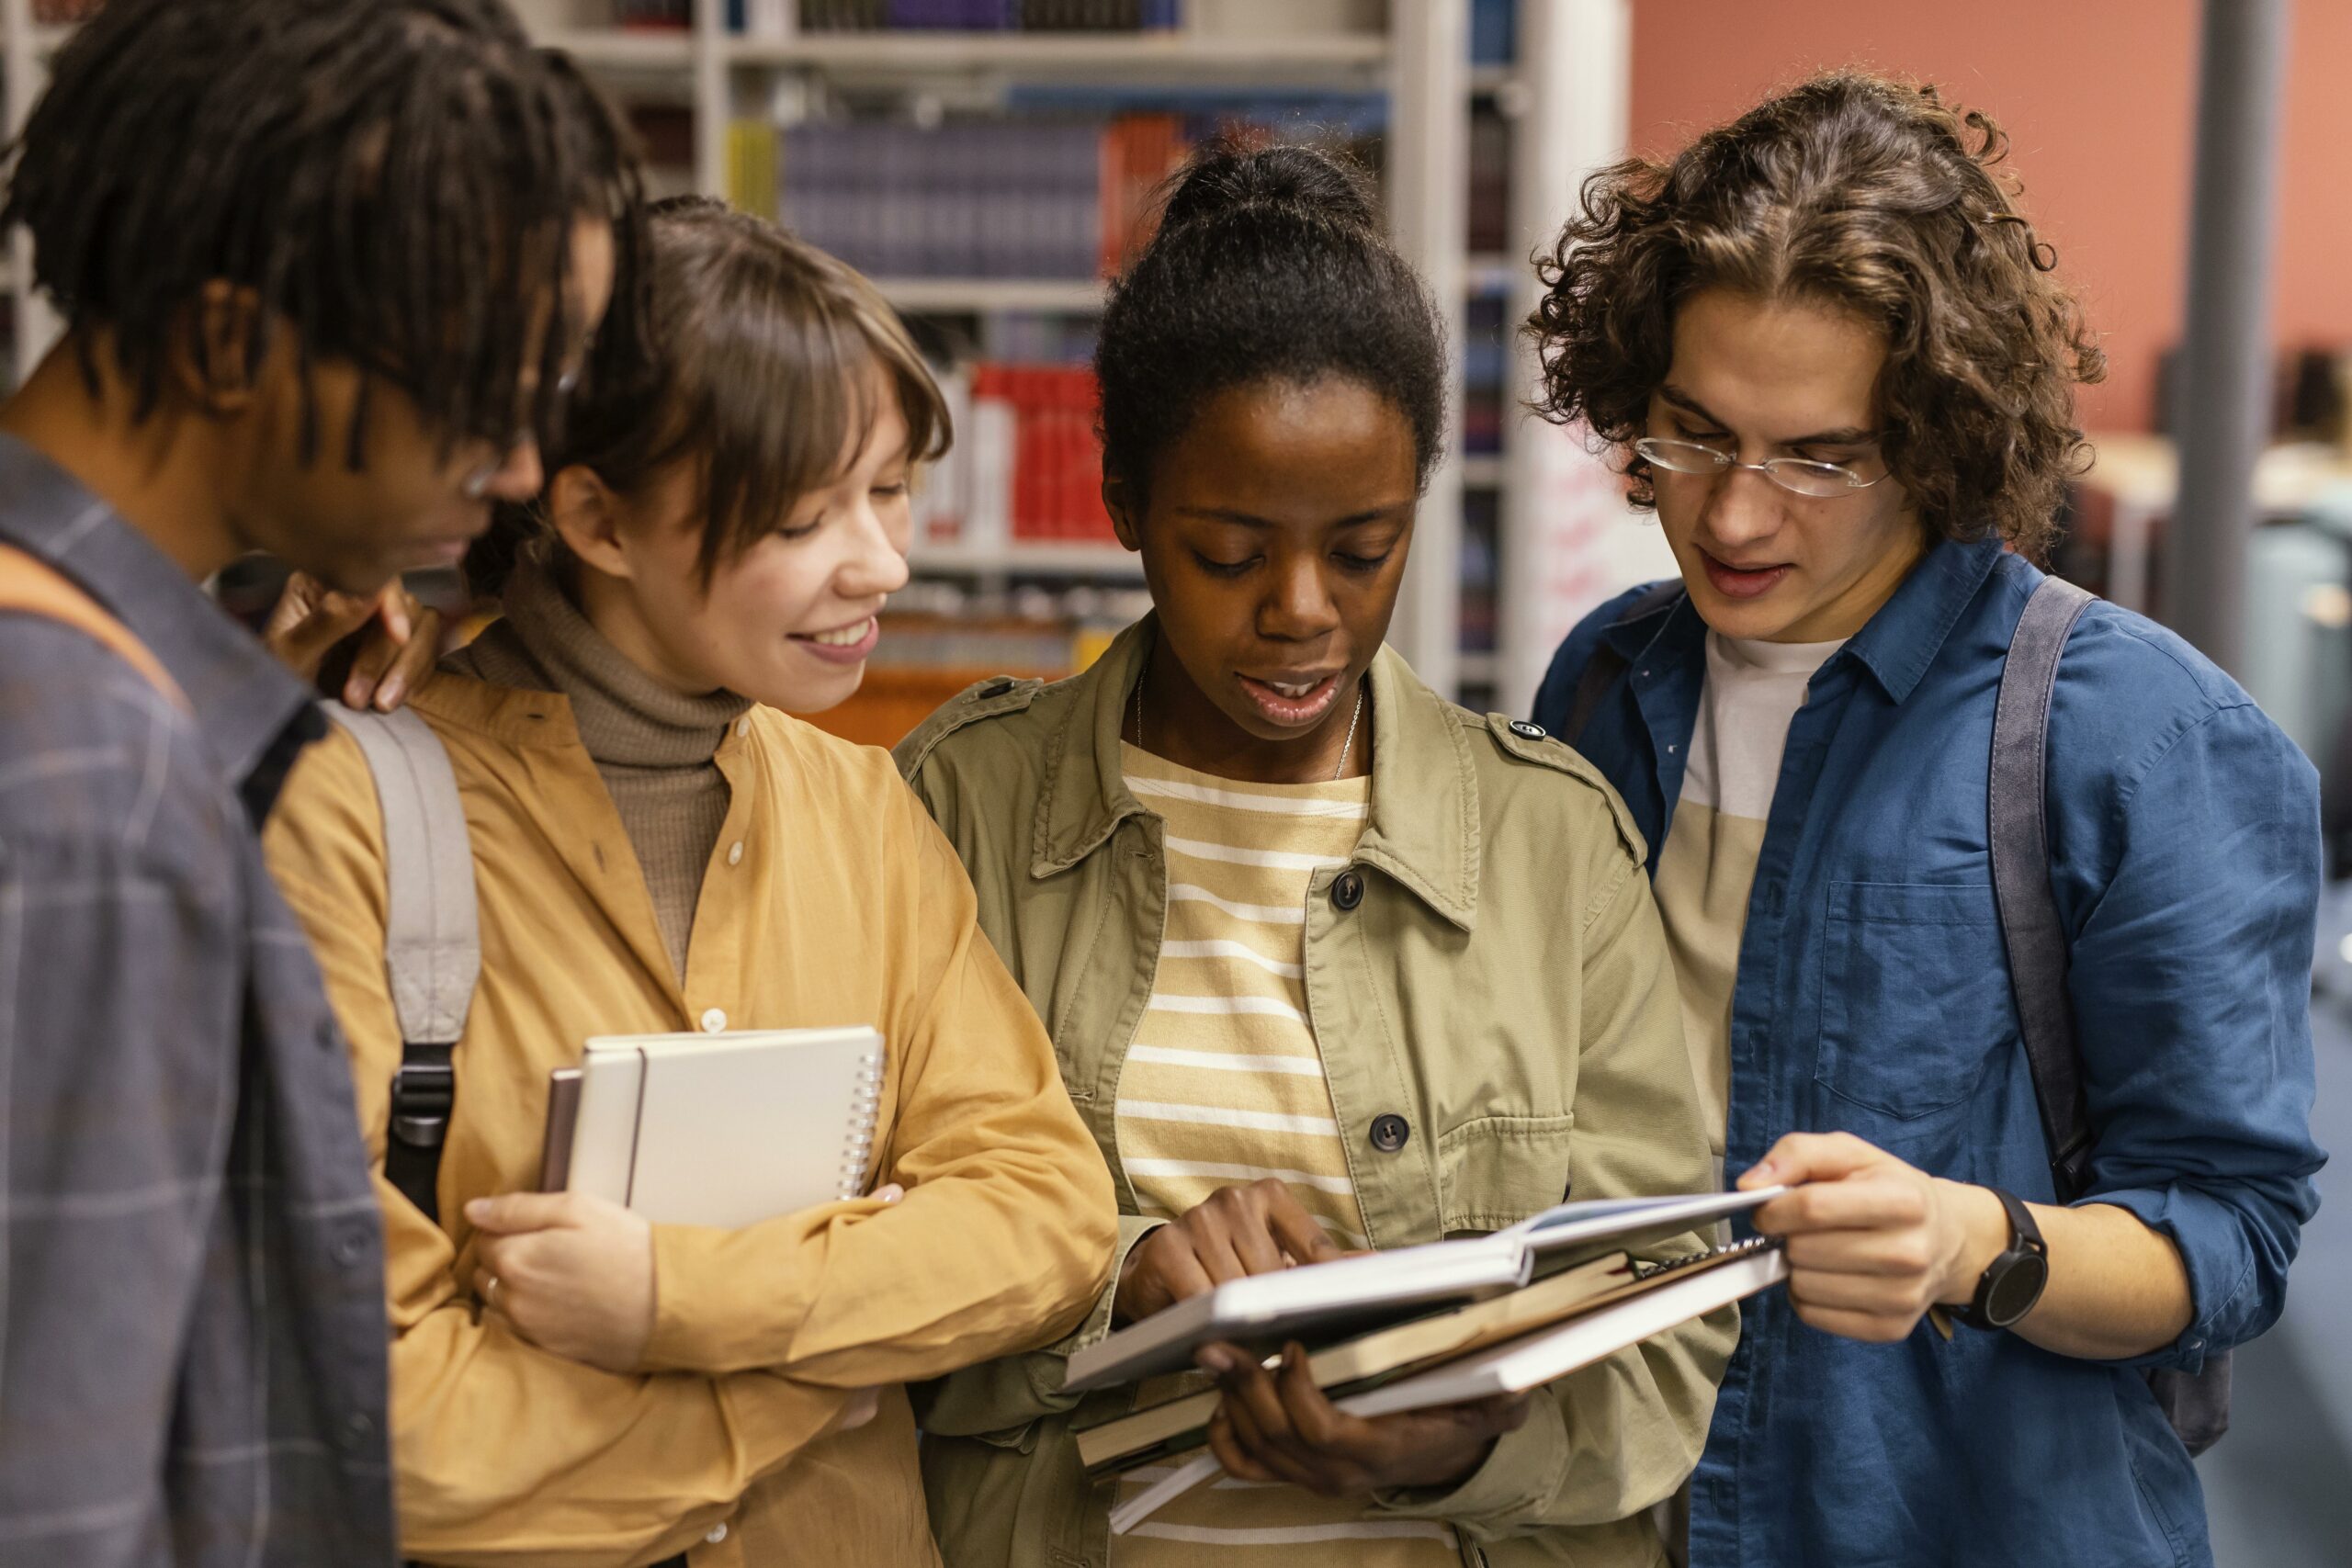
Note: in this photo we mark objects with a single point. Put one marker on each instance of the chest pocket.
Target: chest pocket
(1914, 1002)
(1497, 1170)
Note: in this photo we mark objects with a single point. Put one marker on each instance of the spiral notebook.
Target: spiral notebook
(722, 1130)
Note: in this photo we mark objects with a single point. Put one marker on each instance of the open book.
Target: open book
(1529, 1360)
(1176, 1424)
(1352, 1295)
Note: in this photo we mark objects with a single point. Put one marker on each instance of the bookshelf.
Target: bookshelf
(1521, 527)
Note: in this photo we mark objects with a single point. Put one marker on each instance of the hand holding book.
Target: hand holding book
(1281, 1427)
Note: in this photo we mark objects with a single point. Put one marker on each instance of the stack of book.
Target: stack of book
(1421, 1326)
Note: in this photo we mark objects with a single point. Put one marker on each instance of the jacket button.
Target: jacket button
(1389, 1132)
(994, 689)
(1525, 730)
(1347, 890)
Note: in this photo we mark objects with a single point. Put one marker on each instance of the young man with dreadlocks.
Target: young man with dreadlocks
(2028, 1029)
(327, 266)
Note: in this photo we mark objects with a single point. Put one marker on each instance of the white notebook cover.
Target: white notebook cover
(730, 1129)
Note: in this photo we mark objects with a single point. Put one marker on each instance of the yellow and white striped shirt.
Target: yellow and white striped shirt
(1224, 1085)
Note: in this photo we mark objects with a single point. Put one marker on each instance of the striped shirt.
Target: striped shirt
(1224, 1085)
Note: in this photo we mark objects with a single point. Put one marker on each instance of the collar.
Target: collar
(1423, 826)
(1897, 644)
(244, 702)
(626, 717)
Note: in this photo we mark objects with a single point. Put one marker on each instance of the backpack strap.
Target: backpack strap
(1601, 671)
(432, 935)
(2019, 842)
(2196, 1404)
(33, 587)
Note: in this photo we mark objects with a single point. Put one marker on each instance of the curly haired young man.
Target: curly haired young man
(1835, 363)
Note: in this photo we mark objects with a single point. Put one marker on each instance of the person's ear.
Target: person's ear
(1118, 500)
(586, 515)
(215, 362)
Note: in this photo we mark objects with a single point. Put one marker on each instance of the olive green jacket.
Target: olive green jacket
(1490, 968)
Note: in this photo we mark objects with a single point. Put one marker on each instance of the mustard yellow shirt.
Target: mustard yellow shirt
(830, 898)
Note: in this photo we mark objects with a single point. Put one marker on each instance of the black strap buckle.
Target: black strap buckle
(424, 1091)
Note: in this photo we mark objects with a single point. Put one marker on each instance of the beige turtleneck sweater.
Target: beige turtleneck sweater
(651, 745)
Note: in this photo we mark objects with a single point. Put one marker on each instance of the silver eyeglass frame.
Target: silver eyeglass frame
(1771, 469)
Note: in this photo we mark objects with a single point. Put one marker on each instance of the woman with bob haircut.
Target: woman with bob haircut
(657, 848)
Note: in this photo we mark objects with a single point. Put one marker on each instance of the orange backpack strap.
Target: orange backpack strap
(34, 587)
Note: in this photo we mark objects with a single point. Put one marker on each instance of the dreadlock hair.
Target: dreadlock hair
(759, 369)
(393, 181)
(1269, 263)
(1873, 197)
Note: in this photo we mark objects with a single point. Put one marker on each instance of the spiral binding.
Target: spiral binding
(1737, 1249)
(866, 1111)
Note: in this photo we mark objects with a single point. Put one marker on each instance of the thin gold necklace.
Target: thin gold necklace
(1346, 746)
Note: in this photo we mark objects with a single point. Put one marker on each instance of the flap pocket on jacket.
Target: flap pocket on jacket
(1915, 995)
(1498, 1169)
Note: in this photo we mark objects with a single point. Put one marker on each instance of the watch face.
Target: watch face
(2014, 1287)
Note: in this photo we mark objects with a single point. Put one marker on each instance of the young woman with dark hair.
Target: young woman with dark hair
(1329, 963)
(657, 848)
(1835, 360)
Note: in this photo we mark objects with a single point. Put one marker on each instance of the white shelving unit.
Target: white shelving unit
(1565, 95)
(1020, 558)
(980, 296)
(24, 50)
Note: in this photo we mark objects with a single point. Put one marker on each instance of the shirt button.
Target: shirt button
(713, 1020)
(1389, 1132)
(1347, 890)
(735, 852)
(326, 1036)
(718, 1533)
(358, 1428)
(351, 1247)
(742, 728)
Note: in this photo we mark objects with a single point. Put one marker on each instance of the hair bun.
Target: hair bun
(1228, 177)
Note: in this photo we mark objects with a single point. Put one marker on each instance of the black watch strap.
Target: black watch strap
(2013, 1281)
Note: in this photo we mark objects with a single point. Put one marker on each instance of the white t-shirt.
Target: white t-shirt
(1704, 873)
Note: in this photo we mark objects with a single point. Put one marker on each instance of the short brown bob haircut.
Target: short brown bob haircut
(760, 369)
(1869, 196)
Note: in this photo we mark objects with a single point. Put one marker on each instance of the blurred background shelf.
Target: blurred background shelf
(1341, 61)
(980, 296)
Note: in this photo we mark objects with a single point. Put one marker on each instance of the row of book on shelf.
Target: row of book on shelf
(1027, 465)
(774, 18)
(1063, 197)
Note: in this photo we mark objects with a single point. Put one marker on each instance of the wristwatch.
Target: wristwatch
(2013, 1281)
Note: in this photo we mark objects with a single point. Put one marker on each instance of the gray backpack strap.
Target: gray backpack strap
(2196, 1404)
(432, 935)
(2021, 854)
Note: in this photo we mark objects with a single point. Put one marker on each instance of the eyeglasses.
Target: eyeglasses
(1796, 475)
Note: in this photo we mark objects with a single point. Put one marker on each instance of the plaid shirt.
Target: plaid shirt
(192, 1340)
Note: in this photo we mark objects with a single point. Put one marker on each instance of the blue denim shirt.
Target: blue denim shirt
(1873, 996)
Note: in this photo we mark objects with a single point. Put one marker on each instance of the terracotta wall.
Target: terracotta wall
(2099, 97)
